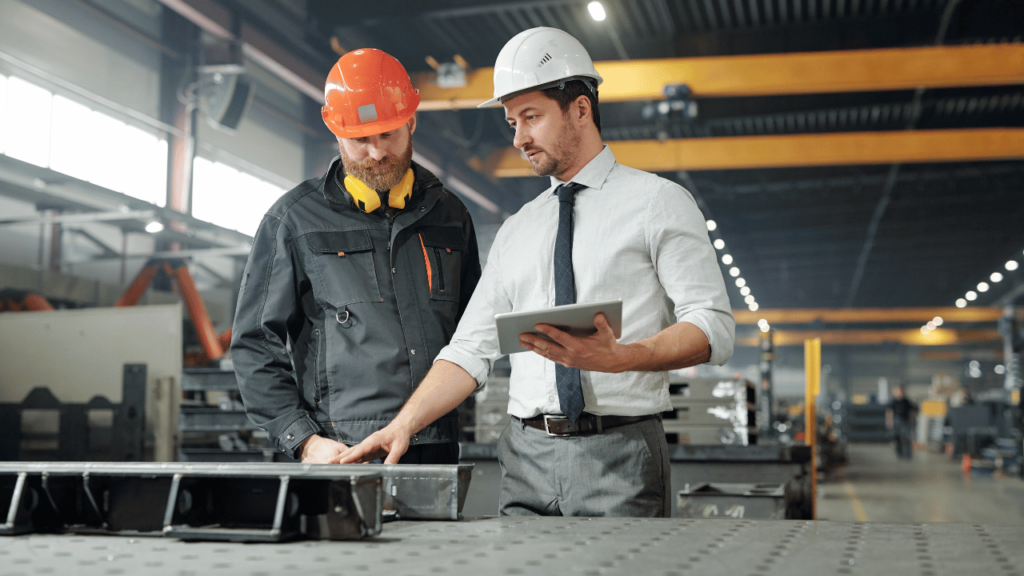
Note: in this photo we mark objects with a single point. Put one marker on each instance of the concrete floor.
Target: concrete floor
(877, 487)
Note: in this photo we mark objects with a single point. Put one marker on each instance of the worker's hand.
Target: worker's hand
(319, 450)
(599, 352)
(391, 441)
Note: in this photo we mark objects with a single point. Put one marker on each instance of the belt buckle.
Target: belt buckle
(547, 426)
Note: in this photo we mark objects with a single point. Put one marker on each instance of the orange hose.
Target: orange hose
(36, 303)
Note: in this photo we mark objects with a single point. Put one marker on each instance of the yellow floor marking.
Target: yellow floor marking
(858, 509)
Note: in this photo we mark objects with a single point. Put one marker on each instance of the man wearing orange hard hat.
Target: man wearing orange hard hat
(356, 280)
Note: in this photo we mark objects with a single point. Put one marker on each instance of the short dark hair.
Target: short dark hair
(573, 90)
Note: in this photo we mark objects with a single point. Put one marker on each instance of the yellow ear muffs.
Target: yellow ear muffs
(368, 200)
(401, 192)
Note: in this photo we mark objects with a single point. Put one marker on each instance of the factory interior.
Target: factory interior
(859, 165)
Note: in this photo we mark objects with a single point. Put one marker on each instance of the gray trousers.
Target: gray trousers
(622, 472)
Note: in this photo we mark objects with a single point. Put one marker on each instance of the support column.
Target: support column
(766, 397)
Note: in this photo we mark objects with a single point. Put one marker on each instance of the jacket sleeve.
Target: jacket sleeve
(268, 304)
(470, 267)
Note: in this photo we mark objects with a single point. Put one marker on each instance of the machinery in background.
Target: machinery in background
(711, 411)
(97, 430)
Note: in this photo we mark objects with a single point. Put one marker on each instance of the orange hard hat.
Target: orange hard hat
(368, 92)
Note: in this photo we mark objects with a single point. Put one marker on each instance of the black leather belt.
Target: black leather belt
(588, 423)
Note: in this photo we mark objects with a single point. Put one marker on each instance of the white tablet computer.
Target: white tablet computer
(576, 319)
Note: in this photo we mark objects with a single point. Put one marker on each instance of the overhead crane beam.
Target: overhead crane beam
(847, 148)
(773, 74)
(868, 315)
(911, 337)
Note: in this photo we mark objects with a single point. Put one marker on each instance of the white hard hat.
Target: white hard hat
(539, 58)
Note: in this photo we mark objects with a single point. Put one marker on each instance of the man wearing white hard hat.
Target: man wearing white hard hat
(586, 437)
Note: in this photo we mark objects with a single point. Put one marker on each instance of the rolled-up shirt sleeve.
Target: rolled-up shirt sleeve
(474, 346)
(688, 269)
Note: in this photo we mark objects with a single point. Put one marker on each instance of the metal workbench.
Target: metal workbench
(483, 546)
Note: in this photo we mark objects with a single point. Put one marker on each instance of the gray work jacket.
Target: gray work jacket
(341, 313)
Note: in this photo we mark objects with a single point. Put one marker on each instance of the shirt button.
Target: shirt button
(551, 398)
(290, 437)
(413, 352)
(423, 208)
(394, 270)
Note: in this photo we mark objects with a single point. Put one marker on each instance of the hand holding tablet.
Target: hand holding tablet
(574, 319)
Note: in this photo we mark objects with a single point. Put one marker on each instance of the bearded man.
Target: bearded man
(356, 281)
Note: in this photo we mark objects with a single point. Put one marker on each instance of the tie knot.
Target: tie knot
(567, 192)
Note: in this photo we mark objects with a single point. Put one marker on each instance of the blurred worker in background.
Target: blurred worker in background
(586, 437)
(900, 419)
(356, 280)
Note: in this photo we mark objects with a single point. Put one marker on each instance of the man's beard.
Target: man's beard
(381, 175)
(560, 155)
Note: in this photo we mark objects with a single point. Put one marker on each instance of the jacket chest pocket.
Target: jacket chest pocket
(442, 254)
(343, 267)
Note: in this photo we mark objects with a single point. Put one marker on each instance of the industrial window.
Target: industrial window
(228, 197)
(55, 132)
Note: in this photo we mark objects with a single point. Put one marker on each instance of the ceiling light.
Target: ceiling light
(726, 259)
(745, 290)
(971, 295)
(753, 307)
(1011, 265)
(925, 330)
(596, 11)
(982, 286)
(734, 272)
(996, 277)
(711, 223)
(930, 325)
(719, 244)
(762, 322)
(154, 227)
(961, 303)
(1000, 369)
(765, 327)
(740, 282)
(937, 320)
(749, 298)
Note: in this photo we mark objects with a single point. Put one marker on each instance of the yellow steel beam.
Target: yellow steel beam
(874, 315)
(770, 74)
(848, 148)
(910, 337)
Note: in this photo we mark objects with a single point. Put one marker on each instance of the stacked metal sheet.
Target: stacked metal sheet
(712, 411)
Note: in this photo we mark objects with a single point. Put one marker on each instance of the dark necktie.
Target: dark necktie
(567, 380)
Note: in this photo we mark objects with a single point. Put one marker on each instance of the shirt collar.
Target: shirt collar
(594, 174)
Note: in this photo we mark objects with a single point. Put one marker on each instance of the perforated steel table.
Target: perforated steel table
(599, 546)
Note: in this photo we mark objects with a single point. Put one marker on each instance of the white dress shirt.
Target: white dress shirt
(638, 237)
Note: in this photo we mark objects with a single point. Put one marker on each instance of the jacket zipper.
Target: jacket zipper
(316, 369)
(426, 261)
(440, 270)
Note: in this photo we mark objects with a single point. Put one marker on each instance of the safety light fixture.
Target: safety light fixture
(597, 12)
(740, 282)
(726, 259)
(745, 291)
(719, 244)
(1011, 265)
(937, 320)
(154, 227)
(961, 303)
(996, 277)
(982, 286)
(712, 225)
(749, 299)
(734, 271)
(925, 330)
(753, 307)
(971, 295)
